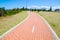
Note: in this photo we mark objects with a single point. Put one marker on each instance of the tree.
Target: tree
(43, 9)
(50, 8)
(56, 10)
(2, 11)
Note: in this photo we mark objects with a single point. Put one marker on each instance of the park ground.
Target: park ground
(8, 22)
(53, 19)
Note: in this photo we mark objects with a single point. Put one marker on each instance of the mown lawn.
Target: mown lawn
(8, 22)
(53, 19)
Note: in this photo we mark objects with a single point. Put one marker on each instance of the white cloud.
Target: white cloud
(33, 6)
(47, 7)
(54, 7)
(38, 7)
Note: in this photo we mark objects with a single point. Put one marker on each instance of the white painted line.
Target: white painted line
(0, 37)
(33, 29)
(14, 27)
(53, 32)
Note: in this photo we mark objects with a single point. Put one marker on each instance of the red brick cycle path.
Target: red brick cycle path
(34, 28)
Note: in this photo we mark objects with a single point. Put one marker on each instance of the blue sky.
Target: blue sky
(8, 4)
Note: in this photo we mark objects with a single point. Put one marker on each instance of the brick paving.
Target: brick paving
(24, 31)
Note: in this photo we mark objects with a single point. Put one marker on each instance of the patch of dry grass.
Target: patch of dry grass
(8, 22)
(53, 19)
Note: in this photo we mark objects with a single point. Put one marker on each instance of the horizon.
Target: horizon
(10, 4)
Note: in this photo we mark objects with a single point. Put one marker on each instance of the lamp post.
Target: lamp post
(26, 4)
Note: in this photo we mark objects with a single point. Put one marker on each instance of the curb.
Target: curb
(53, 32)
(14, 27)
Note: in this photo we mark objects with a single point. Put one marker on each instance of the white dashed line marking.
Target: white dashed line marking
(33, 29)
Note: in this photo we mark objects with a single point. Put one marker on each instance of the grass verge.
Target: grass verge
(53, 19)
(8, 22)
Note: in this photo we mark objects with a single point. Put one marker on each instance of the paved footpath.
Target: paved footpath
(34, 28)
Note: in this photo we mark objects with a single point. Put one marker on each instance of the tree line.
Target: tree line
(44, 9)
(8, 12)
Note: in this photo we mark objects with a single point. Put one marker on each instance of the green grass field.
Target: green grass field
(53, 19)
(8, 22)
